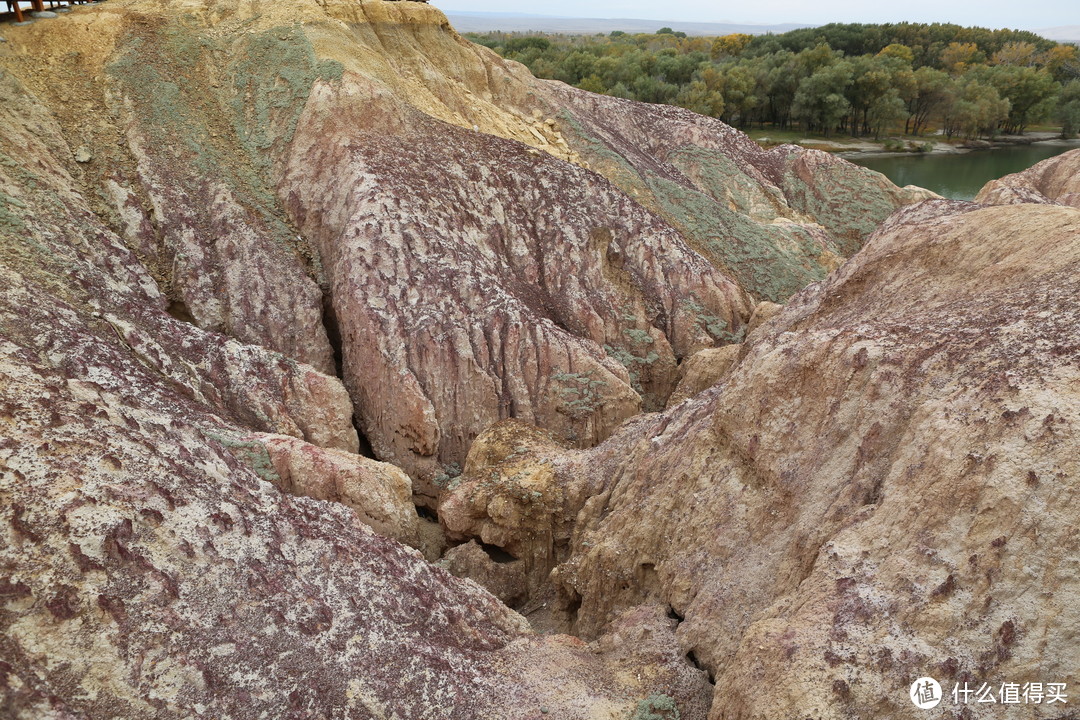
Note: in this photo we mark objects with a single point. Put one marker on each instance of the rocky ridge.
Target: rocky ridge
(1053, 180)
(150, 564)
(441, 168)
(867, 496)
(229, 229)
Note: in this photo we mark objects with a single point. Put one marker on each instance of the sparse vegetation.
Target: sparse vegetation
(579, 392)
(715, 326)
(656, 707)
(250, 452)
(633, 361)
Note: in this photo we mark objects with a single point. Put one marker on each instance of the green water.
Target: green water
(961, 176)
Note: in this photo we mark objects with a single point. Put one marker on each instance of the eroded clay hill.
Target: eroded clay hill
(234, 233)
(879, 488)
(1054, 180)
(354, 186)
(186, 529)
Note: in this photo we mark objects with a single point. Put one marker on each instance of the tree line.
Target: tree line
(854, 79)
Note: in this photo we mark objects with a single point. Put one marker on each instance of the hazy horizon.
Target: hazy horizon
(1028, 16)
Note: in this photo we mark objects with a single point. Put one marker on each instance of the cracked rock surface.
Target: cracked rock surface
(878, 489)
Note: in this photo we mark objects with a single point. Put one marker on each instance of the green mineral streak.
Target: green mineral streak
(616, 168)
(771, 261)
(720, 178)
(449, 478)
(229, 133)
(851, 207)
(252, 453)
(10, 221)
(272, 76)
(656, 707)
(20, 246)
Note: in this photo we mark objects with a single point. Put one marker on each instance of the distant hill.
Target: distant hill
(517, 22)
(1062, 33)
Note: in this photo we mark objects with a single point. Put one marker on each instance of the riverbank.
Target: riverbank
(961, 175)
(927, 145)
(955, 147)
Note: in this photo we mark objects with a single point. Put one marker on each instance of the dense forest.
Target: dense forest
(854, 79)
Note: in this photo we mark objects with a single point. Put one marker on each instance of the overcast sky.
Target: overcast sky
(1026, 14)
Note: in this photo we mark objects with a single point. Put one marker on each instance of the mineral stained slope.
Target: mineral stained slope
(229, 228)
(879, 489)
(355, 186)
(1054, 180)
(150, 564)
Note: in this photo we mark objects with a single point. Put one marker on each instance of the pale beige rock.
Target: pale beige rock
(379, 493)
(702, 370)
(509, 496)
(502, 576)
(860, 491)
(763, 312)
(1054, 180)
(870, 495)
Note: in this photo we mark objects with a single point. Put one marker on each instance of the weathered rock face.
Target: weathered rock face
(702, 370)
(775, 220)
(454, 302)
(501, 575)
(146, 572)
(869, 495)
(511, 496)
(359, 161)
(148, 567)
(187, 189)
(1054, 180)
(379, 493)
(70, 282)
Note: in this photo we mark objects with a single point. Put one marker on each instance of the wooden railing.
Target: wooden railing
(15, 6)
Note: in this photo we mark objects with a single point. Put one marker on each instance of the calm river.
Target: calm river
(961, 176)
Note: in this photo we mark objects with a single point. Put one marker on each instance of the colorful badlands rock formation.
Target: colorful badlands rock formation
(241, 243)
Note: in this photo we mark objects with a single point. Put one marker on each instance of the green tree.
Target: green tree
(575, 66)
(958, 57)
(877, 84)
(1020, 54)
(1062, 61)
(782, 78)
(1068, 109)
(975, 109)
(899, 51)
(698, 97)
(730, 45)
(594, 83)
(1030, 93)
(739, 86)
(929, 93)
(937, 72)
(820, 102)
